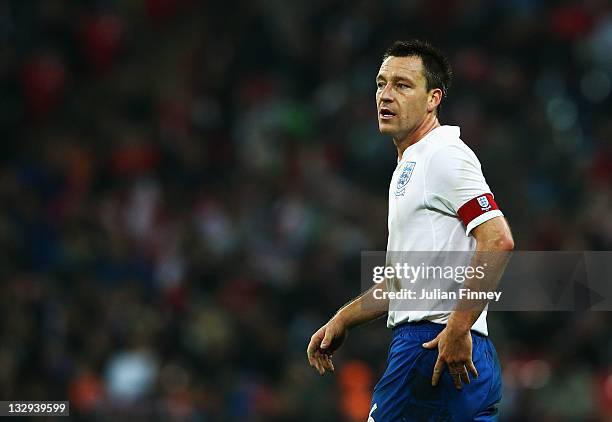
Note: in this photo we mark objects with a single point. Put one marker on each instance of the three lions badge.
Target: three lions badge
(404, 178)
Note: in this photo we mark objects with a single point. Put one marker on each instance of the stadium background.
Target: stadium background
(186, 187)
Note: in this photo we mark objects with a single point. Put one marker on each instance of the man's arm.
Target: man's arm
(363, 309)
(329, 338)
(494, 244)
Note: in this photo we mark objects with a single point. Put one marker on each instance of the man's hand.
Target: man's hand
(493, 248)
(454, 350)
(330, 337)
(324, 343)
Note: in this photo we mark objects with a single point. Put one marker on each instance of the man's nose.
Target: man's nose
(385, 94)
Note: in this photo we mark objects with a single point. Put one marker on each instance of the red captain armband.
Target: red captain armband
(476, 207)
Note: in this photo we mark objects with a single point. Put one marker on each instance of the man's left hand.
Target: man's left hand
(454, 351)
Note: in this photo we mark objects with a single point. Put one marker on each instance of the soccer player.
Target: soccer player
(441, 365)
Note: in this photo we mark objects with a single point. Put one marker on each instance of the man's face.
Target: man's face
(401, 96)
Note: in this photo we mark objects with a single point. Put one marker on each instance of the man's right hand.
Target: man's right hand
(324, 343)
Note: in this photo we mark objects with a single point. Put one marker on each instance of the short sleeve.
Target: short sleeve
(455, 185)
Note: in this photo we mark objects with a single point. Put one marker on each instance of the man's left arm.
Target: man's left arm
(454, 343)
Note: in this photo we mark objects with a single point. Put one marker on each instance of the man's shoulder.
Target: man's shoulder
(448, 147)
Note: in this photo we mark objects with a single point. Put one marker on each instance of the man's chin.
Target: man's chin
(386, 129)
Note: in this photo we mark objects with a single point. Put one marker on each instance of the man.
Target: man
(438, 201)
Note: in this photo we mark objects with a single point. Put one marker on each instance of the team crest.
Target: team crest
(404, 178)
(484, 203)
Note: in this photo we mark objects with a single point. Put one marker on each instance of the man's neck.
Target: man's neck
(416, 135)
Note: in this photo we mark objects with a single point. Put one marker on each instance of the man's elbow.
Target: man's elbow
(504, 243)
(494, 235)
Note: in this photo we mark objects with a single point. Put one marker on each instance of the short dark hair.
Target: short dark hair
(436, 67)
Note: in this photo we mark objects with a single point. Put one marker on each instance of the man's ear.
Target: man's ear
(433, 99)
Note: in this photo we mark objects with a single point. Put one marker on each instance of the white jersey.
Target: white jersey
(437, 195)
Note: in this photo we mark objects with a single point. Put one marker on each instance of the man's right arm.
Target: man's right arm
(364, 308)
(330, 337)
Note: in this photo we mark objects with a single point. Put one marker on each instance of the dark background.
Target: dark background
(186, 187)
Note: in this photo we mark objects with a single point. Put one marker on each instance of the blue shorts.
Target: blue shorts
(404, 393)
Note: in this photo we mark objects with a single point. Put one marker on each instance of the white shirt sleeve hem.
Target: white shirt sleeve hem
(481, 219)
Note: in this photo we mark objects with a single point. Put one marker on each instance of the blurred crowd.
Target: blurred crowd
(186, 188)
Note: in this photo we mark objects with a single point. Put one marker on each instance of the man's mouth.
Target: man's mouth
(386, 114)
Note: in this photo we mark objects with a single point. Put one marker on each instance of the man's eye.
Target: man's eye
(380, 84)
(402, 86)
